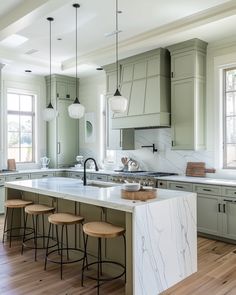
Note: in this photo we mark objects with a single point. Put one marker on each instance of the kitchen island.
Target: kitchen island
(161, 234)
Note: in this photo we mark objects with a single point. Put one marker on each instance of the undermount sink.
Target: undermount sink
(100, 184)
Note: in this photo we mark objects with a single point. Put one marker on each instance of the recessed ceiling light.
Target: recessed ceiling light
(14, 40)
(28, 71)
(99, 69)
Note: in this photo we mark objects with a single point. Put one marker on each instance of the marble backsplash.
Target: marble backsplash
(165, 159)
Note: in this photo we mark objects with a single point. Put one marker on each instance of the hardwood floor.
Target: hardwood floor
(21, 275)
(216, 271)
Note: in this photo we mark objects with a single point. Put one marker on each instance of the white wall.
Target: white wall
(90, 91)
(32, 84)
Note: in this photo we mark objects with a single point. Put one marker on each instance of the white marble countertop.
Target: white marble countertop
(73, 189)
(202, 180)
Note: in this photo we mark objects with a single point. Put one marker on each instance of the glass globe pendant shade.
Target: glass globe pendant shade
(118, 103)
(76, 109)
(49, 113)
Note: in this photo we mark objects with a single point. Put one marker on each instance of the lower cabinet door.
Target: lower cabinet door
(209, 214)
(2, 198)
(229, 219)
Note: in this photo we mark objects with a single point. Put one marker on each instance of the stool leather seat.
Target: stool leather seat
(17, 203)
(65, 219)
(36, 209)
(100, 229)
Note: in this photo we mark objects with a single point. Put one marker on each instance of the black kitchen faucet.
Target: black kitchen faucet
(96, 168)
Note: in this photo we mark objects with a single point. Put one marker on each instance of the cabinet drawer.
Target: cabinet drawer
(228, 191)
(77, 175)
(181, 186)
(2, 180)
(101, 177)
(207, 189)
(161, 184)
(17, 177)
(41, 175)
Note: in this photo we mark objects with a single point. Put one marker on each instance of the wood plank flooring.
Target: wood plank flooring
(20, 275)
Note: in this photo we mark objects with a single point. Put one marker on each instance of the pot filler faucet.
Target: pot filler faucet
(96, 168)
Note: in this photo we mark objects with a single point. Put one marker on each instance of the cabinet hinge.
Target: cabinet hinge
(172, 74)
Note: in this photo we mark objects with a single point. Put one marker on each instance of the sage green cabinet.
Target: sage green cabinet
(117, 139)
(188, 79)
(63, 87)
(145, 81)
(62, 132)
(209, 217)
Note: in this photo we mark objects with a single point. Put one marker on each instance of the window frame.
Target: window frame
(224, 118)
(20, 92)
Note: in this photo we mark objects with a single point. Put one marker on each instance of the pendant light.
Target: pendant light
(50, 113)
(118, 103)
(76, 109)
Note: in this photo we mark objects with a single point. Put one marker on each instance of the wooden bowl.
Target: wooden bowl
(141, 195)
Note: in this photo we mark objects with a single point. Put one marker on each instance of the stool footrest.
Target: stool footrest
(31, 231)
(38, 237)
(59, 255)
(108, 278)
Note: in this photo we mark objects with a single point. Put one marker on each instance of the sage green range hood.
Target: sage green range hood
(145, 81)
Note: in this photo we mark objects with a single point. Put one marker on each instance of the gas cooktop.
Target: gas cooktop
(146, 173)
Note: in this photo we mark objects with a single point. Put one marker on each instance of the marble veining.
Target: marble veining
(165, 244)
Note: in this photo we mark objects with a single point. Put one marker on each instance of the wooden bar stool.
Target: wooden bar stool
(35, 211)
(11, 205)
(100, 229)
(63, 220)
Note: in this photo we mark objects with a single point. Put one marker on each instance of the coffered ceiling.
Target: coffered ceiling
(145, 25)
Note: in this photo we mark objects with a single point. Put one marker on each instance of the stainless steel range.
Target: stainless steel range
(142, 177)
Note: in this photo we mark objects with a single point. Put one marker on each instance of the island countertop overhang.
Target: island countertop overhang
(73, 190)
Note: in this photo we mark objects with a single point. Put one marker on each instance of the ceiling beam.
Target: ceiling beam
(161, 33)
(25, 14)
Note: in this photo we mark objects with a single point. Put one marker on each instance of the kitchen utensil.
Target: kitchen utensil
(196, 169)
(79, 159)
(11, 165)
(133, 165)
(44, 162)
(132, 187)
(141, 195)
(124, 161)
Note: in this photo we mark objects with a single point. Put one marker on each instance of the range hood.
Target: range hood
(145, 81)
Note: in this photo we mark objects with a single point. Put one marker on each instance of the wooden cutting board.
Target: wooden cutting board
(196, 169)
(141, 195)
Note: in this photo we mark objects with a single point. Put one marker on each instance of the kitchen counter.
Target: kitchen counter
(161, 234)
(202, 180)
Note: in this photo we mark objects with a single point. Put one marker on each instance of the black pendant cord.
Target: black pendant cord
(117, 32)
(76, 55)
(50, 19)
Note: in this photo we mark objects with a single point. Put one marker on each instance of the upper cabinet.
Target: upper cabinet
(63, 87)
(188, 91)
(145, 81)
(63, 132)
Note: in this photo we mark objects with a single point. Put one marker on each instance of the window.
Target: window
(20, 127)
(229, 119)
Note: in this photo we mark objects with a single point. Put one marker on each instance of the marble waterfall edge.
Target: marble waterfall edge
(165, 244)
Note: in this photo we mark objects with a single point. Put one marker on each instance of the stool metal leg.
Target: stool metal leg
(85, 260)
(12, 211)
(25, 217)
(4, 228)
(36, 238)
(46, 255)
(67, 243)
(58, 242)
(62, 230)
(99, 265)
(43, 231)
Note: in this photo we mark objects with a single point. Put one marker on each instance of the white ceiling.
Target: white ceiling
(145, 25)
